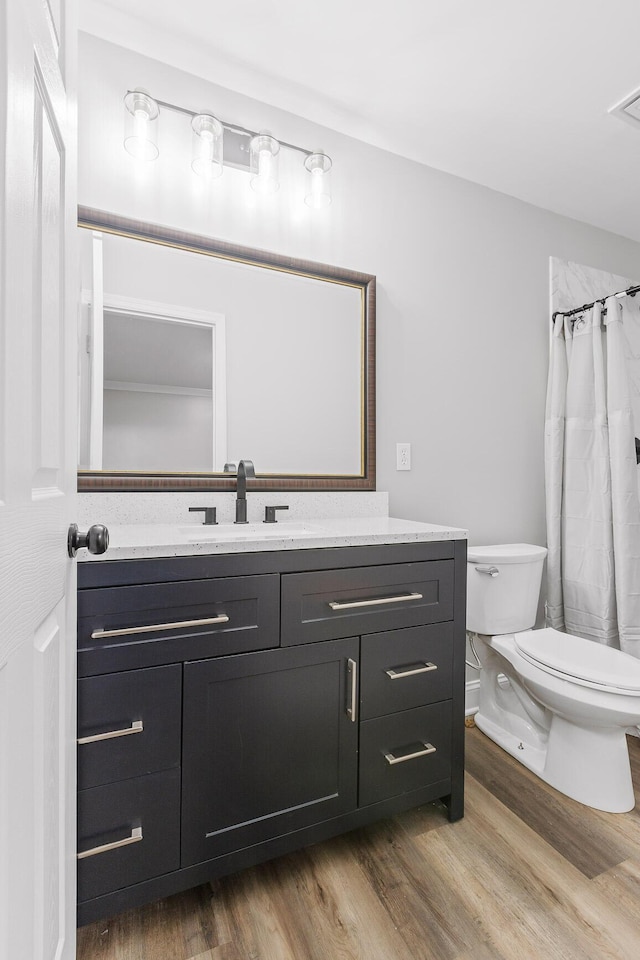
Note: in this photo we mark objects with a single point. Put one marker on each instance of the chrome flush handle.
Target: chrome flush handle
(485, 568)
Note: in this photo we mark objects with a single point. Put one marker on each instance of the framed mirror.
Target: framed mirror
(196, 353)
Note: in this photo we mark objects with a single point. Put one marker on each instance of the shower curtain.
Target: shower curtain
(593, 506)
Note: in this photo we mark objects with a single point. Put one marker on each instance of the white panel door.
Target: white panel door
(38, 311)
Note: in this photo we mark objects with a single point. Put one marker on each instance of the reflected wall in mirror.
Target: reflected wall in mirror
(197, 353)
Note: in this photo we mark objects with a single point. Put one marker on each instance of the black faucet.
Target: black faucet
(245, 471)
(209, 515)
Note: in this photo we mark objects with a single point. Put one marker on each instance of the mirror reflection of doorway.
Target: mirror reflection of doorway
(156, 382)
(158, 394)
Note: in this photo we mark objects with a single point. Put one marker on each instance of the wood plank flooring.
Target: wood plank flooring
(527, 875)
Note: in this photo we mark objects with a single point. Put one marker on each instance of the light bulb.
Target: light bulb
(140, 125)
(207, 146)
(318, 192)
(264, 166)
(263, 156)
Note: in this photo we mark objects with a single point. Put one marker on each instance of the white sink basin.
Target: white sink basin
(280, 530)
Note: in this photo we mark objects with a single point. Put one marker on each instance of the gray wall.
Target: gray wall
(463, 283)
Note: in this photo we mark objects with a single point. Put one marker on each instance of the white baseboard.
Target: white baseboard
(471, 694)
(471, 697)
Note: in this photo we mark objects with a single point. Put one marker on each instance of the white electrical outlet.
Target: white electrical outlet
(403, 456)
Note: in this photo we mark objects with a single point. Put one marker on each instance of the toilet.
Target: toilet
(559, 704)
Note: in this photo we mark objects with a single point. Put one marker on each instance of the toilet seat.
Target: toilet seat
(582, 661)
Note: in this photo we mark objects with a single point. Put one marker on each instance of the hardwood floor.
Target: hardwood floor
(527, 875)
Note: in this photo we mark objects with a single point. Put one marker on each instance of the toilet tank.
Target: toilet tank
(503, 587)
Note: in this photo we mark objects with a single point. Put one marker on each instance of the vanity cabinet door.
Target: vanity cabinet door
(269, 746)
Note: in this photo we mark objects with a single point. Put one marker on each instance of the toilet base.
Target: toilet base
(590, 765)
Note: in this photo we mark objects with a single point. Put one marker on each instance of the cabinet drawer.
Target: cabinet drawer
(144, 813)
(328, 604)
(120, 628)
(401, 669)
(404, 752)
(129, 724)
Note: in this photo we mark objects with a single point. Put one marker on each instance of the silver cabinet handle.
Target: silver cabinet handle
(136, 836)
(485, 568)
(136, 727)
(399, 674)
(99, 634)
(352, 709)
(336, 605)
(391, 758)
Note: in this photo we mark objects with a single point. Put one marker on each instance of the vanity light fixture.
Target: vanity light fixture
(318, 192)
(217, 144)
(141, 125)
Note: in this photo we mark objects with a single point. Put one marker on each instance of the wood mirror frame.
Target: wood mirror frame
(114, 481)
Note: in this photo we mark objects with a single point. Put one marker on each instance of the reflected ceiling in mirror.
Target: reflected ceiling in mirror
(200, 353)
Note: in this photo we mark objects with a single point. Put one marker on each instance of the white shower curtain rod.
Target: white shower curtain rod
(629, 292)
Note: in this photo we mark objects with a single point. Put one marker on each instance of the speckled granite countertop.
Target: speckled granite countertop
(142, 541)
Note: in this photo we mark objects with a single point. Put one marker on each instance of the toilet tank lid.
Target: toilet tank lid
(506, 553)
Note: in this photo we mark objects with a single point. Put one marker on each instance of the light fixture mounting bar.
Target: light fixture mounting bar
(228, 126)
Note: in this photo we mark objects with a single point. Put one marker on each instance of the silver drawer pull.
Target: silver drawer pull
(391, 759)
(99, 634)
(399, 674)
(136, 727)
(335, 605)
(136, 836)
(352, 709)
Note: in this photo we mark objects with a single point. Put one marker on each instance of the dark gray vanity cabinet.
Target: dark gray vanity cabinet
(232, 708)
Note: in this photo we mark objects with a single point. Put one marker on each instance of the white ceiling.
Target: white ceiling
(512, 94)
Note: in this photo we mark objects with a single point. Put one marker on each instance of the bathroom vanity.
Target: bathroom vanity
(244, 699)
(245, 689)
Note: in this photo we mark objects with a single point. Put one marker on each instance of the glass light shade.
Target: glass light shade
(263, 157)
(207, 146)
(141, 125)
(318, 187)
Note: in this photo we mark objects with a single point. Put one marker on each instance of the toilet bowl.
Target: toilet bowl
(559, 704)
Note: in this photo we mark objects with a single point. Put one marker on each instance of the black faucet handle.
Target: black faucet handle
(209, 514)
(270, 514)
